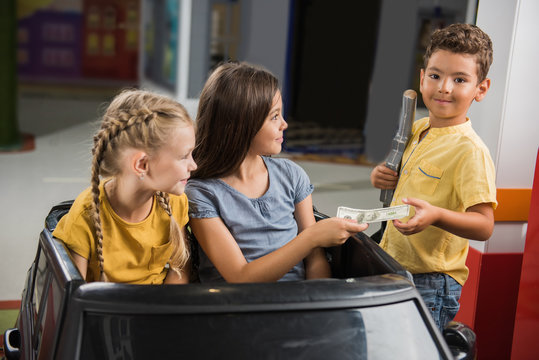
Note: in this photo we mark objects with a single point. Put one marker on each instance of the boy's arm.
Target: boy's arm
(383, 177)
(477, 223)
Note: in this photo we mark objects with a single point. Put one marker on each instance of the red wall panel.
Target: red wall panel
(526, 331)
(489, 301)
(468, 297)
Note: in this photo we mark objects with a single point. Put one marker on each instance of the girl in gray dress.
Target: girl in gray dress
(252, 214)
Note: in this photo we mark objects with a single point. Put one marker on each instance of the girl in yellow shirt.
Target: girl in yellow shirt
(128, 225)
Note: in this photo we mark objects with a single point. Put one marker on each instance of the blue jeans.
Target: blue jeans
(441, 294)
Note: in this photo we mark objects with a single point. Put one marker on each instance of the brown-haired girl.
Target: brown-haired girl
(252, 214)
(128, 225)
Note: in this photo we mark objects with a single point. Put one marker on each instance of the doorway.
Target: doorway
(330, 65)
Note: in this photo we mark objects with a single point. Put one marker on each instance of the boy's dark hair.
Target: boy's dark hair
(466, 39)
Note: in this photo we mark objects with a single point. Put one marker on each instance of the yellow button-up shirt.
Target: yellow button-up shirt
(450, 168)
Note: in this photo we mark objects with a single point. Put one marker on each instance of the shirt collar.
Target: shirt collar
(455, 129)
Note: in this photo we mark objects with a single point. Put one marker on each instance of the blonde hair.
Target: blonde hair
(142, 120)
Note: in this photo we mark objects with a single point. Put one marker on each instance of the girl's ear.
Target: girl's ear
(139, 162)
(482, 89)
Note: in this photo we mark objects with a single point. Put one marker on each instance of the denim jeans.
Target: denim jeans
(441, 294)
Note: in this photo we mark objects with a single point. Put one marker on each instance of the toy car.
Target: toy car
(369, 310)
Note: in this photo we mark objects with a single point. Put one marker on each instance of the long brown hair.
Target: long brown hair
(141, 120)
(232, 108)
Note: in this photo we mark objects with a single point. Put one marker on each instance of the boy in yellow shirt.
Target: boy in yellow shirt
(446, 174)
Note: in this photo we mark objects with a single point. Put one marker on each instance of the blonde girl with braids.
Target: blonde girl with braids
(128, 225)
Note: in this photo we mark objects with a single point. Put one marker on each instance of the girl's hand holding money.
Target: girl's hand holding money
(333, 231)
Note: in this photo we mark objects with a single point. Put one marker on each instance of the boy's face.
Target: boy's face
(448, 85)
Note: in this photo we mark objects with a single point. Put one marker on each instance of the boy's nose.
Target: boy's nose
(445, 86)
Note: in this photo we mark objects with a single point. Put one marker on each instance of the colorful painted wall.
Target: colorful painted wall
(67, 41)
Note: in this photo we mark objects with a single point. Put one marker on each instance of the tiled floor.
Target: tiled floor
(58, 169)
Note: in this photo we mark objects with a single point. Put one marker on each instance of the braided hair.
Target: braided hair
(142, 120)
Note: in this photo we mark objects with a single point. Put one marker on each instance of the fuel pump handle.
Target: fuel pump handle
(400, 140)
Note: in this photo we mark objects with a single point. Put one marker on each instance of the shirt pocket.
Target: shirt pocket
(159, 257)
(428, 177)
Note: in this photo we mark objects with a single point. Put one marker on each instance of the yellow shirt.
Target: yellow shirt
(133, 252)
(450, 168)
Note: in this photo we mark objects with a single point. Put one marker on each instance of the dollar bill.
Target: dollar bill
(373, 215)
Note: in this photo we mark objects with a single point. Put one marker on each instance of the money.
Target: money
(373, 215)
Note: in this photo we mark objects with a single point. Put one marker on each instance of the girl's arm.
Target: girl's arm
(80, 262)
(477, 223)
(316, 264)
(223, 251)
(174, 278)
(181, 277)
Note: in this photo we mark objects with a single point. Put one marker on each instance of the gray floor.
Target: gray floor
(58, 169)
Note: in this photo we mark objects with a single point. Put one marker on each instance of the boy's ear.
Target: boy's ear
(139, 163)
(482, 89)
(421, 76)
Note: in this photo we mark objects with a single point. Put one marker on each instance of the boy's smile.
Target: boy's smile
(448, 85)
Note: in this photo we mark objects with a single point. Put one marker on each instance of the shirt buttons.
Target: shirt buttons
(405, 172)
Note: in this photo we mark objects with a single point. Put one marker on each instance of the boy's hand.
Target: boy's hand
(476, 223)
(383, 177)
(425, 215)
